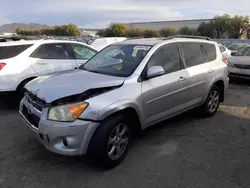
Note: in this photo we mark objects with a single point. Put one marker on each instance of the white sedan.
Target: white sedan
(239, 64)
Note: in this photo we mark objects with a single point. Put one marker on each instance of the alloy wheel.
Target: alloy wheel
(213, 101)
(118, 141)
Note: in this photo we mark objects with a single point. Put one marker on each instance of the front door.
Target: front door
(53, 57)
(166, 94)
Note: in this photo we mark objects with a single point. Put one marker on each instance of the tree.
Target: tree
(72, 30)
(238, 26)
(187, 31)
(168, 31)
(18, 30)
(148, 33)
(64, 30)
(116, 30)
(101, 32)
(220, 24)
(205, 29)
(134, 32)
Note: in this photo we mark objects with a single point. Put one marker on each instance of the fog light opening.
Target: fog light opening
(65, 142)
(41, 136)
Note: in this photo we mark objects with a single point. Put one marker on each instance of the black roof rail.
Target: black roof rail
(14, 38)
(188, 36)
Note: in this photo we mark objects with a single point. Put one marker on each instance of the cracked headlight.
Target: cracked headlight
(67, 113)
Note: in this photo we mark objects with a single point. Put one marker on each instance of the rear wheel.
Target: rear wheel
(210, 107)
(109, 145)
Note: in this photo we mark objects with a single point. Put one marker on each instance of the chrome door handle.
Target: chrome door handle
(210, 70)
(181, 79)
(42, 63)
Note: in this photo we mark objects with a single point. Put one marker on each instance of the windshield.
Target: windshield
(235, 46)
(117, 60)
(242, 51)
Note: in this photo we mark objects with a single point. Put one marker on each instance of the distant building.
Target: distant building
(7, 34)
(177, 24)
(89, 32)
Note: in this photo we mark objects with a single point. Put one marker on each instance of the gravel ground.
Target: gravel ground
(184, 152)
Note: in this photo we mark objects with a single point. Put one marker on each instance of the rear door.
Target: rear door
(166, 94)
(52, 57)
(198, 68)
(82, 53)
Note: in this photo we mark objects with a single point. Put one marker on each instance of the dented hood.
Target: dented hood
(56, 86)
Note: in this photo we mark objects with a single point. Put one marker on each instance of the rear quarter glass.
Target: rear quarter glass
(7, 52)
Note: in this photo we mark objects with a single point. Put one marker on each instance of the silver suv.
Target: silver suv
(124, 89)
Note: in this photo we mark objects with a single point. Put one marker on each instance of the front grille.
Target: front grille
(35, 101)
(240, 66)
(33, 119)
(239, 75)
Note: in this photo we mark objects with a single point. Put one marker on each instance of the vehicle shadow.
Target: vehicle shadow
(9, 102)
(238, 81)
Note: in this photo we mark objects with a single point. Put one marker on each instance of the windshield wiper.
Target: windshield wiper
(82, 67)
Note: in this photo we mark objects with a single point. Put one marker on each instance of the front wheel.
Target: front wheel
(211, 105)
(21, 90)
(109, 145)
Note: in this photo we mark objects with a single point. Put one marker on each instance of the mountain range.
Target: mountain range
(11, 28)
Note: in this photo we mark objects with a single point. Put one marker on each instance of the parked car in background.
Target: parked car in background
(239, 64)
(125, 88)
(22, 61)
(235, 47)
(100, 43)
(225, 52)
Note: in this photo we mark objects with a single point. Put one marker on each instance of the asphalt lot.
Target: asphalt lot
(186, 152)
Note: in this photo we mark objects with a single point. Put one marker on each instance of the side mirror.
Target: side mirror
(155, 71)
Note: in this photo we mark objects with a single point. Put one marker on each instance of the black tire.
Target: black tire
(205, 110)
(20, 91)
(98, 148)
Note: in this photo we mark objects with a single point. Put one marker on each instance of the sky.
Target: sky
(100, 13)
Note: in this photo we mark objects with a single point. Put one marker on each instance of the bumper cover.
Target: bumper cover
(66, 138)
(239, 73)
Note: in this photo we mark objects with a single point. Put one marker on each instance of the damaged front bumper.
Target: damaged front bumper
(66, 138)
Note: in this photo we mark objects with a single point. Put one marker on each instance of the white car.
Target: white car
(225, 52)
(22, 61)
(239, 64)
(101, 43)
(235, 47)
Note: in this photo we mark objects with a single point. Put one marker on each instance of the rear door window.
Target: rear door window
(40, 52)
(210, 51)
(193, 54)
(58, 51)
(7, 52)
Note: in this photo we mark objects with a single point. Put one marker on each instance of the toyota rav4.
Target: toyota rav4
(122, 90)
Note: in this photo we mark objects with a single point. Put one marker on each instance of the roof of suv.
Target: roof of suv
(154, 41)
(27, 42)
